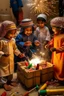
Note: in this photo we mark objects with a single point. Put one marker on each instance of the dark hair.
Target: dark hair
(23, 29)
(62, 31)
(41, 19)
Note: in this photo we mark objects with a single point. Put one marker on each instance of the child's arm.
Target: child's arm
(36, 32)
(48, 37)
(50, 44)
(61, 49)
(16, 51)
(19, 41)
(2, 53)
(35, 41)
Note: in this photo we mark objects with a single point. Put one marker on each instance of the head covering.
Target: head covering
(5, 27)
(42, 16)
(57, 22)
(26, 23)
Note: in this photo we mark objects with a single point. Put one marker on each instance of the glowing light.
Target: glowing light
(42, 53)
(43, 6)
(35, 61)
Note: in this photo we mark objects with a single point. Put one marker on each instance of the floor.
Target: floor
(20, 90)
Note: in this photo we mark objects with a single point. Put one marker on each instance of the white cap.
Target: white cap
(42, 16)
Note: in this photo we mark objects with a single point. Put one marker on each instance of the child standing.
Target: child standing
(42, 33)
(17, 10)
(57, 47)
(8, 48)
(26, 39)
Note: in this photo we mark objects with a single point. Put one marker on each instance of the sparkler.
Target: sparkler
(37, 59)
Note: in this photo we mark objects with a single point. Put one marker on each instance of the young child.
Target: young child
(57, 47)
(42, 33)
(26, 40)
(7, 50)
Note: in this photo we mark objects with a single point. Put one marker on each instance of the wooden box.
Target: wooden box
(46, 73)
(28, 77)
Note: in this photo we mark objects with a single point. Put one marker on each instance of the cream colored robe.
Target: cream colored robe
(7, 63)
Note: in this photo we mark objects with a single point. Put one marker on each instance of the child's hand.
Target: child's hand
(28, 43)
(6, 54)
(21, 55)
(61, 49)
(37, 43)
(53, 49)
(46, 46)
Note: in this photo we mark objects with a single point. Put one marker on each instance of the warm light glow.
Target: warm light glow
(43, 6)
(35, 61)
(42, 53)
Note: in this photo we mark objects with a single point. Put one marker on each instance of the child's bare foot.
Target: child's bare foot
(7, 87)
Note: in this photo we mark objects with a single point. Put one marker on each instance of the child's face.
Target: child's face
(41, 24)
(11, 34)
(56, 30)
(28, 31)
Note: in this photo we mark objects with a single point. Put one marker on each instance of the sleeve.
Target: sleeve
(62, 42)
(1, 46)
(19, 40)
(48, 37)
(34, 38)
(16, 51)
(62, 45)
(51, 42)
(20, 3)
(36, 32)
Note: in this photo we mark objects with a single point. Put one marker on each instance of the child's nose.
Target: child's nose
(29, 31)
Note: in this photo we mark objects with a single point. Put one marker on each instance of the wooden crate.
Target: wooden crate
(28, 78)
(46, 73)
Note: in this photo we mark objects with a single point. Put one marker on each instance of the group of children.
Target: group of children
(28, 39)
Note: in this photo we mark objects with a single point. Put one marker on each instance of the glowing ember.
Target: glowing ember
(41, 53)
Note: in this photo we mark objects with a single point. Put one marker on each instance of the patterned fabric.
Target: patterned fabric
(26, 22)
(5, 27)
(57, 22)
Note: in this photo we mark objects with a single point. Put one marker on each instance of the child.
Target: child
(42, 33)
(7, 50)
(26, 39)
(57, 47)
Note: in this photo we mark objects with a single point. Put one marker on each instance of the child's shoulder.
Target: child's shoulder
(3, 41)
(46, 27)
(37, 28)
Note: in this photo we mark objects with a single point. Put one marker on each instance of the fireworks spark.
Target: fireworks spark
(43, 6)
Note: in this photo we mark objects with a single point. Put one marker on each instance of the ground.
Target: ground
(19, 90)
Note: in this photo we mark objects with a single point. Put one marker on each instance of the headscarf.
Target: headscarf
(5, 27)
(57, 22)
(43, 16)
(26, 23)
